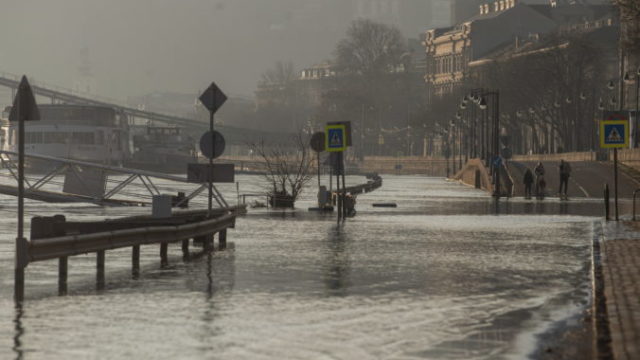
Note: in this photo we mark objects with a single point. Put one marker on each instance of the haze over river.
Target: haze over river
(443, 276)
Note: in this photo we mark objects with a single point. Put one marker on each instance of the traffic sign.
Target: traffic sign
(614, 130)
(335, 139)
(24, 103)
(213, 98)
(206, 145)
(347, 129)
(218, 173)
(317, 142)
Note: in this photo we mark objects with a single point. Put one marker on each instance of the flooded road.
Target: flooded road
(446, 275)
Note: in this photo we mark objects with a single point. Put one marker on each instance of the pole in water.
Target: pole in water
(344, 187)
(606, 202)
(615, 180)
(20, 262)
(210, 170)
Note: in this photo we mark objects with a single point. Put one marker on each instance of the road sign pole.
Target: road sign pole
(20, 241)
(344, 187)
(339, 196)
(213, 147)
(212, 99)
(210, 169)
(318, 165)
(615, 180)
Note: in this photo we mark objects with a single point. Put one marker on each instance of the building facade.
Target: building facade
(450, 50)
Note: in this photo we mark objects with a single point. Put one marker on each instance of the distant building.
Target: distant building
(462, 10)
(449, 50)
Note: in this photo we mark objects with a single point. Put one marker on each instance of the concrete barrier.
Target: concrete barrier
(572, 156)
(475, 174)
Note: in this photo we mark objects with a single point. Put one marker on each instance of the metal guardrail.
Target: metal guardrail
(365, 188)
(63, 246)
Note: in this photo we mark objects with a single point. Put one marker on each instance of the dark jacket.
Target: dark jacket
(528, 177)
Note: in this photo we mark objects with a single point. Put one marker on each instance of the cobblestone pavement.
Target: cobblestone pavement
(621, 274)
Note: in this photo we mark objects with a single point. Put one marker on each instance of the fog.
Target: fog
(135, 47)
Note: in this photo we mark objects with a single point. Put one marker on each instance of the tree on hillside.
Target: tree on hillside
(278, 105)
(630, 20)
(370, 48)
(282, 74)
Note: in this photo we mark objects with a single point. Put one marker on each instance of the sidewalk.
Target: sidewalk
(621, 276)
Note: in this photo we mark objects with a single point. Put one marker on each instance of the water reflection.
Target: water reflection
(18, 332)
(338, 262)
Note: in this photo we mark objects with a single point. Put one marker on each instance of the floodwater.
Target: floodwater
(445, 275)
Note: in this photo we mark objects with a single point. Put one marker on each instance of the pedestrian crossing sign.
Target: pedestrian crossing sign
(335, 139)
(614, 134)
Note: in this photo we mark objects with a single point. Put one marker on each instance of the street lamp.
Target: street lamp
(635, 114)
(482, 104)
(628, 79)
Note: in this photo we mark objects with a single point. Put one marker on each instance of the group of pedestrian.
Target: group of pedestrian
(540, 184)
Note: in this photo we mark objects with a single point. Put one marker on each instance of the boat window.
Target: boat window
(89, 115)
(55, 137)
(33, 137)
(84, 138)
(100, 137)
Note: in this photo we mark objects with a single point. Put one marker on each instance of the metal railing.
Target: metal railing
(63, 246)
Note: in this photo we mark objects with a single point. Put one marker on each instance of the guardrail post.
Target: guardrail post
(606, 202)
(135, 261)
(164, 260)
(185, 248)
(62, 275)
(208, 242)
(222, 239)
(100, 270)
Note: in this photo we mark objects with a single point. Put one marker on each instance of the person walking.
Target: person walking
(527, 180)
(540, 182)
(565, 173)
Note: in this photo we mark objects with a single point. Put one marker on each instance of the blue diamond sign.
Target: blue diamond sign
(614, 131)
(335, 138)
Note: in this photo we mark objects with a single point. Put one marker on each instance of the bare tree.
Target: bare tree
(370, 48)
(630, 20)
(287, 168)
(549, 90)
(282, 74)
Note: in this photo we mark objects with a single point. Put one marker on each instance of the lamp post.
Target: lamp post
(452, 142)
(495, 137)
(628, 79)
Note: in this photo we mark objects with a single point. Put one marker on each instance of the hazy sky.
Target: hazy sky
(138, 46)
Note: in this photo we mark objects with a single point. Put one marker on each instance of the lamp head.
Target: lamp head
(483, 103)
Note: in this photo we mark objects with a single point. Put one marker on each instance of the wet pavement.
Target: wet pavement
(621, 270)
(587, 178)
(449, 274)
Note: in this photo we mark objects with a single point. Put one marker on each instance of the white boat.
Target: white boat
(96, 134)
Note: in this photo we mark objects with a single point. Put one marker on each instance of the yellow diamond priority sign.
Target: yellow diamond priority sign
(335, 138)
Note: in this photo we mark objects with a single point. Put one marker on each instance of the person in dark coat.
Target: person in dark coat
(540, 182)
(565, 172)
(527, 180)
